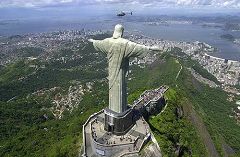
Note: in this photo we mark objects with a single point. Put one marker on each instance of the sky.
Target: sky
(138, 3)
(29, 8)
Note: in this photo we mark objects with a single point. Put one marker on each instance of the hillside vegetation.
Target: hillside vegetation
(210, 103)
(28, 127)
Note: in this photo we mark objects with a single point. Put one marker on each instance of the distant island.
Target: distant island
(228, 37)
(231, 38)
(232, 26)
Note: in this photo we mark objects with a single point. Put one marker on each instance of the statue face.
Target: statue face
(118, 31)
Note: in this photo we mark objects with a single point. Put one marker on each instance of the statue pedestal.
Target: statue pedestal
(110, 134)
(118, 123)
(98, 142)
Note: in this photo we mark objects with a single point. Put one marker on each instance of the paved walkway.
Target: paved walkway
(129, 143)
(138, 131)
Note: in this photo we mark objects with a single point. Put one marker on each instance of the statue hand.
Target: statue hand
(91, 40)
(155, 48)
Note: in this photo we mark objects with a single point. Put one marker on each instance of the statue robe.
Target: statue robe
(118, 52)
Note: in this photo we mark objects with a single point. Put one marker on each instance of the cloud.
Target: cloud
(142, 3)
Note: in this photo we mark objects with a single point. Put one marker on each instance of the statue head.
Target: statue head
(118, 31)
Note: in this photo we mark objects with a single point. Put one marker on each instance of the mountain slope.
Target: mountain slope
(28, 127)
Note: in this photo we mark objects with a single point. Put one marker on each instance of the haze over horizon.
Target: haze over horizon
(11, 9)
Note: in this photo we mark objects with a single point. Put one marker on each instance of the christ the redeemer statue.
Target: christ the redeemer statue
(119, 51)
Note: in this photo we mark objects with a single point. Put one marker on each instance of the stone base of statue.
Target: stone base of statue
(110, 134)
(118, 123)
(103, 138)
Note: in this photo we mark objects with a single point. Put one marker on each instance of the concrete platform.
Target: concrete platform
(99, 143)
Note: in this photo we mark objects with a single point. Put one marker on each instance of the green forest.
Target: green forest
(29, 129)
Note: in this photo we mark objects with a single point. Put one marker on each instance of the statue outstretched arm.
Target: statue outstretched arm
(154, 48)
(99, 45)
(157, 48)
(142, 50)
(91, 40)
